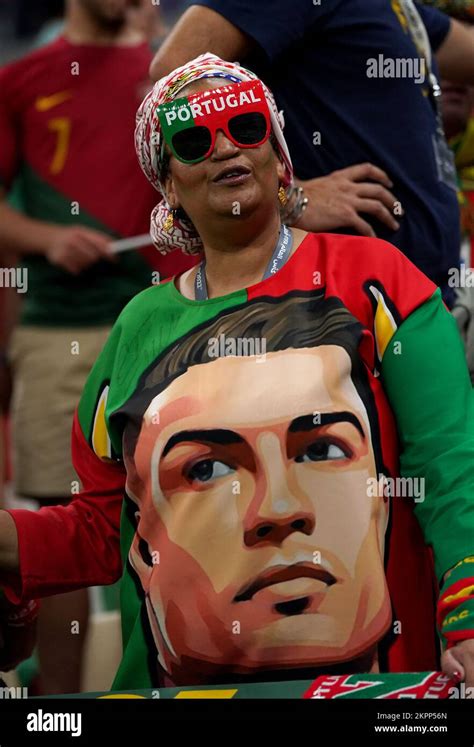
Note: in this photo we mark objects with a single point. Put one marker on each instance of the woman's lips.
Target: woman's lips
(233, 180)
(232, 176)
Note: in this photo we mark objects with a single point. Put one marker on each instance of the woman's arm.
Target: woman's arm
(426, 379)
(427, 382)
(62, 548)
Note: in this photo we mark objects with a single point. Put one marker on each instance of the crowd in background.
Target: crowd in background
(27, 22)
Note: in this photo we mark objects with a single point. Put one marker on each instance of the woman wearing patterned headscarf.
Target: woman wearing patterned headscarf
(169, 230)
(266, 432)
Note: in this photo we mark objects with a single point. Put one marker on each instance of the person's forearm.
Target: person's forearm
(455, 56)
(9, 558)
(63, 548)
(21, 234)
(60, 548)
(199, 30)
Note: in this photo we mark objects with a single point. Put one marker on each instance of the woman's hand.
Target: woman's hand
(460, 659)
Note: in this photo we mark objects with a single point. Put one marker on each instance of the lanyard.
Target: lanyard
(279, 257)
(443, 157)
(421, 41)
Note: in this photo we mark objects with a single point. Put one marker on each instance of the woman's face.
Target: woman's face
(203, 190)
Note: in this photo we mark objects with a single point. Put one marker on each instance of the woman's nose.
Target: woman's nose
(223, 147)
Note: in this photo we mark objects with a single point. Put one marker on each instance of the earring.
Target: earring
(168, 222)
(282, 197)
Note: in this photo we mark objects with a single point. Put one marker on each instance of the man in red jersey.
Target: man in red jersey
(67, 114)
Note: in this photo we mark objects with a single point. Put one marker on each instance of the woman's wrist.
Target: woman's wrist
(455, 613)
(295, 206)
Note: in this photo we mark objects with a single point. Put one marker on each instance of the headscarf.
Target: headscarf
(149, 142)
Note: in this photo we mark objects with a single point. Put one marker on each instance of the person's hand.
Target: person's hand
(460, 660)
(74, 248)
(336, 201)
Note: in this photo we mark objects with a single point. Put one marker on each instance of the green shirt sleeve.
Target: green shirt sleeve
(427, 382)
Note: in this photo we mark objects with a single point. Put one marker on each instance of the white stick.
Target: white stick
(134, 242)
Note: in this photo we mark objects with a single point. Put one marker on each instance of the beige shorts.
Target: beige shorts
(50, 366)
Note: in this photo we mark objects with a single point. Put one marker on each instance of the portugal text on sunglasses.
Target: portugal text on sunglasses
(190, 123)
(209, 101)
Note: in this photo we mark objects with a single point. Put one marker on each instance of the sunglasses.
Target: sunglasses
(190, 124)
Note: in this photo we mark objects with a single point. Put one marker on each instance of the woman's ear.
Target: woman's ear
(170, 192)
(281, 171)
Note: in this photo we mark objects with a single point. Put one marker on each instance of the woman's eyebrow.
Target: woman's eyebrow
(213, 435)
(319, 419)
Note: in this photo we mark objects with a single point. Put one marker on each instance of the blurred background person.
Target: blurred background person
(315, 58)
(458, 120)
(142, 15)
(67, 114)
(147, 18)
